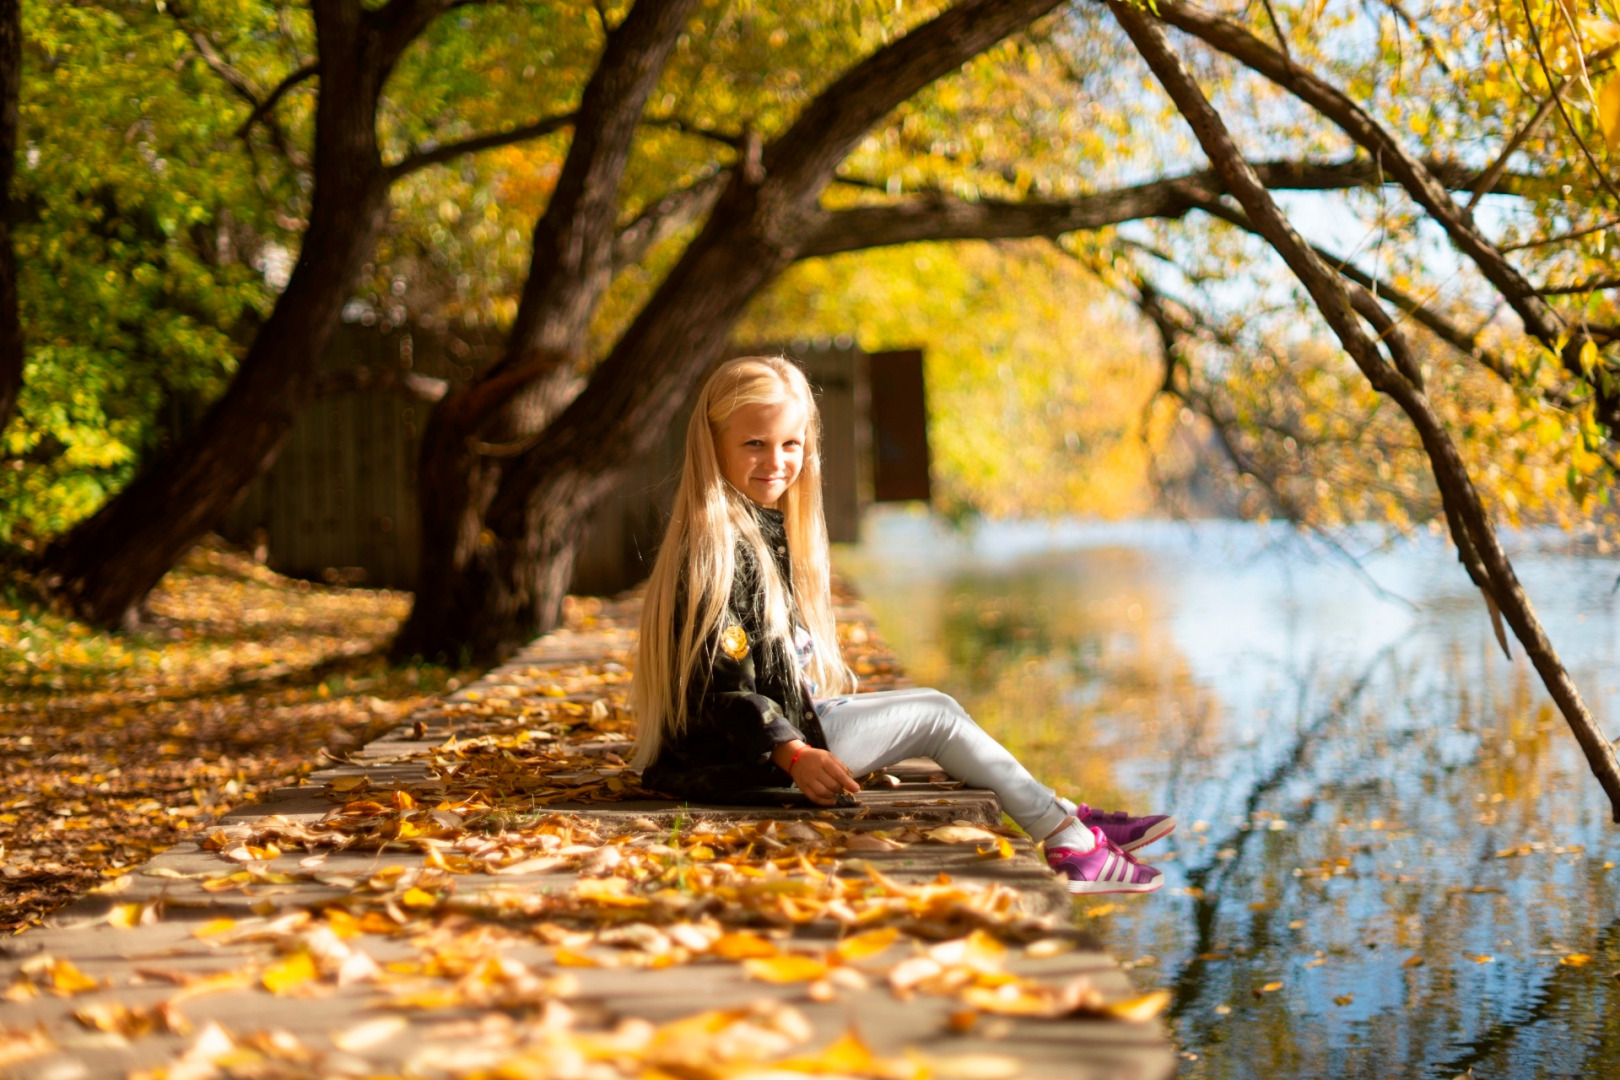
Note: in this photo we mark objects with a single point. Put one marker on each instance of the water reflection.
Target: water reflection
(1392, 859)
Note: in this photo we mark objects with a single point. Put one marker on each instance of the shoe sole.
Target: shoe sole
(1098, 888)
(1158, 832)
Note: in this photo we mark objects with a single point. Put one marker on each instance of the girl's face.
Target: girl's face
(762, 449)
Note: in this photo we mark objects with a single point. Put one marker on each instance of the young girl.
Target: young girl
(737, 640)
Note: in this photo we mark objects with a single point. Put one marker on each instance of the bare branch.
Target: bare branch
(686, 127)
(400, 22)
(1513, 145)
(1595, 285)
(1540, 319)
(263, 108)
(239, 83)
(232, 76)
(936, 216)
(1422, 34)
(1563, 238)
(1465, 342)
(438, 155)
(1471, 528)
(669, 215)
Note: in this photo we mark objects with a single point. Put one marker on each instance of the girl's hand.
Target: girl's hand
(817, 773)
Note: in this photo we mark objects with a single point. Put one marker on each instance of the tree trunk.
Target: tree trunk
(569, 270)
(106, 566)
(514, 581)
(11, 343)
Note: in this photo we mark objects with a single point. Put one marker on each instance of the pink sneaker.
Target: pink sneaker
(1103, 869)
(1128, 833)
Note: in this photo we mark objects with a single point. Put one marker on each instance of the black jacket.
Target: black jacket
(749, 700)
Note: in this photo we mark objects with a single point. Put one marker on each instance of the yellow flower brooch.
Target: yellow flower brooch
(734, 640)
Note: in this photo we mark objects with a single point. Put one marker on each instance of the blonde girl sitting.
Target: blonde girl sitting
(739, 684)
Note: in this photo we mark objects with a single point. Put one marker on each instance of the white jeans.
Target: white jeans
(869, 731)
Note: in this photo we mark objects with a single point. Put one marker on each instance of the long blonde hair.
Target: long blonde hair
(697, 558)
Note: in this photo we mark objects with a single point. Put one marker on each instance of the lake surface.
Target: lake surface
(1391, 860)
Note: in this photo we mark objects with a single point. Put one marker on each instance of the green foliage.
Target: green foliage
(140, 211)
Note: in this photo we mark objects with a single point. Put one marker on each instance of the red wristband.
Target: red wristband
(795, 759)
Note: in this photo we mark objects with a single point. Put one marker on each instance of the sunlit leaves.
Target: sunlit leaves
(117, 745)
(1036, 381)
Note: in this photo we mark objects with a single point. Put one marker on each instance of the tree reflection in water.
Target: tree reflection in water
(1378, 811)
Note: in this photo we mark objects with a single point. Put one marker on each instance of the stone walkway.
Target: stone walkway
(260, 952)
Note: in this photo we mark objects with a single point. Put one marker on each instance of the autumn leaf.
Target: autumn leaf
(570, 958)
(368, 1033)
(1001, 849)
(741, 945)
(787, 968)
(125, 916)
(60, 976)
(289, 974)
(214, 928)
(866, 945)
(847, 1055)
(24, 1043)
(1138, 1009)
(1608, 110)
(418, 898)
(961, 834)
(132, 1022)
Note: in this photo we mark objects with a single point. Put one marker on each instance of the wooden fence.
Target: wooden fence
(340, 503)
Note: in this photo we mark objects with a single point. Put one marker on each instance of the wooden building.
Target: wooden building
(340, 503)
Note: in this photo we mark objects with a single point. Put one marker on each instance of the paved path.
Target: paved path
(182, 951)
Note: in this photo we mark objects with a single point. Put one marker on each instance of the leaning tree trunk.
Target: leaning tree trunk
(11, 344)
(514, 580)
(1342, 307)
(106, 566)
(465, 445)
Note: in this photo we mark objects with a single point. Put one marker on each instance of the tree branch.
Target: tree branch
(1562, 238)
(438, 155)
(669, 215)
(936, 216)
(263, 108)
(1459, 339)
(822, 136)
(1595, 285)
(400, 22)
(675, 123)
(1540, 319)
(1471, 527)
(1513, 145)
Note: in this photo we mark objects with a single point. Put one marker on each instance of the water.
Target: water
(1392, 860)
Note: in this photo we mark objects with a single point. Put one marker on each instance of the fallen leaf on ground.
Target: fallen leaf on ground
(785, 969)
(289, 974)
(368, 1033)
(961, 834)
